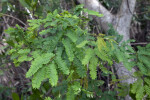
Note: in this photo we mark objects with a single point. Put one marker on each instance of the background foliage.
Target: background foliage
(62, 58)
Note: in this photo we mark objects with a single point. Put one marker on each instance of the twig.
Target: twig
(14, 18)
(141, 43)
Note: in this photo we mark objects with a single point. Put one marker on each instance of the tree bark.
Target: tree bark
(121, 22)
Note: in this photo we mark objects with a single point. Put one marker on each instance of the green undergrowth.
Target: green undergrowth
(64, 58)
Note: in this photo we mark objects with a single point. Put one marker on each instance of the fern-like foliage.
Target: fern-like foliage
(38, 63)
(60, 49)
(80, 69)
(47, 98)
(93, 67)
(60, 62)
(88, 56)
(51, 73)
(38, 77)
(69, 49)
(143, 57)
(70, 94)
(138, 89)
(141, 87)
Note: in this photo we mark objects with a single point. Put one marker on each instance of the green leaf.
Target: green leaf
(93, 67)
(128, 64)
(43, 32)
(79, 6)
(136, 85)
(103, 56)
(4, 7)
(47, 98)
(55, 12)
(147, 89)
(81, 70)
(51, 73)
(54, 23)
(38, 77)
(142, 68)
(69, 49)
(140, 93)
(101, 44)
(24, 51)
(70, 94)
(47, 24)
(24, 58)
(91, 12)
(23, 2)
(147, 80)
(76, 88)
(145, 60)
(38, 63)
(15, 96)
(60, 62)
(88, 56)
(119, 55)
(82, 44)
(72, 35)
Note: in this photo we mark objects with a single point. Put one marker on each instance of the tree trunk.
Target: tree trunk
(121, 22)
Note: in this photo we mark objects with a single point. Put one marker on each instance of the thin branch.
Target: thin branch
(140, 43)
(14, 18)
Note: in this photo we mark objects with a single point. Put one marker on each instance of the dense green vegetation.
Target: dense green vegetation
(67, 62)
